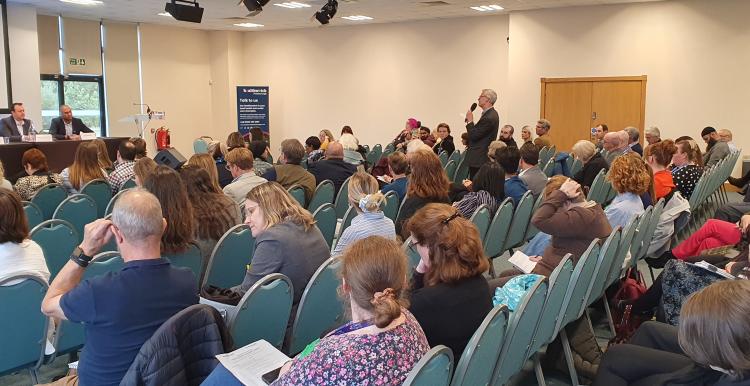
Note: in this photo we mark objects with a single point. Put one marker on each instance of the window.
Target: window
(84, 95)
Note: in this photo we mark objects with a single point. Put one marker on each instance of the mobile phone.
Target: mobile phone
(271, 376)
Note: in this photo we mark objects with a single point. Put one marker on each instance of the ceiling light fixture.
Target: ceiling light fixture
(164, 14)
(83, 2)
(487, 8)
(328, 11)
(293, 4)
(254, 6)
(357, 18)
(249, 25)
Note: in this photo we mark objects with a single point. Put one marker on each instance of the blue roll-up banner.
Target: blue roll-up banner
(252, 108)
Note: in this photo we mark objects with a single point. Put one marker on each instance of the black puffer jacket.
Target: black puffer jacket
(182, 351)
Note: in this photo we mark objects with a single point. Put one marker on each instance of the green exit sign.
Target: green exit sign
(77, 61)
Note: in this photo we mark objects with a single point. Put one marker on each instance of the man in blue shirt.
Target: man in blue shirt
(120, 310)
(509, 157)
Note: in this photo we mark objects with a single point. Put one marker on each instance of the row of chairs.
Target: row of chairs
(49, 197)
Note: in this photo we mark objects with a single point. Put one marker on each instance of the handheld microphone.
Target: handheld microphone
(473, 107)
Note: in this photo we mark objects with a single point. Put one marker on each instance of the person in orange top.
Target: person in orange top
(658, 156)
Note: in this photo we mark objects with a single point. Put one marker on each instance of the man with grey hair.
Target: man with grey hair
(481, 133)
(652, 134)
(633, 136)
(66, 126)
(725, 135)
(120, 310)
(542, 131)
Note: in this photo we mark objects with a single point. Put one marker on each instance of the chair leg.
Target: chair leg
(538, 370)
(610, 320)
(492, 269)
(569, 357)
(34, 376)
(651, 271)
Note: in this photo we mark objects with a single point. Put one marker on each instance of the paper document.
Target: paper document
(249, 363)
(709, 267)
(521, 261)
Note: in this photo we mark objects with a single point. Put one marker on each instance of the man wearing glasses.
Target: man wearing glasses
(481, 133)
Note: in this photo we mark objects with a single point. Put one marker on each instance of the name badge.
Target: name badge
(88, 136)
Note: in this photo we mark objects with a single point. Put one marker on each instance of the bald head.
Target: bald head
(335, 150)
(624, 138)
(611, 141)
(137, 214)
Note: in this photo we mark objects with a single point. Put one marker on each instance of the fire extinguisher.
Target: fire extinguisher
(162, 138)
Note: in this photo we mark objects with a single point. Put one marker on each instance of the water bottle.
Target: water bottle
(32, 132)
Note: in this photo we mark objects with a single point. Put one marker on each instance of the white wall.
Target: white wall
(24, 61)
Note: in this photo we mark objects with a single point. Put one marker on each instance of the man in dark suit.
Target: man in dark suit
(67, 127)
(16, 124)
(483, 132)
(633, 136)
(333, 167)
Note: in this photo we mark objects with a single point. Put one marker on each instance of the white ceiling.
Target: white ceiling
(217, 13)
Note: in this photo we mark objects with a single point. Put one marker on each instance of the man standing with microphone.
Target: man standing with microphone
(483, 132)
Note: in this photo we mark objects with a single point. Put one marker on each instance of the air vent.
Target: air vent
(235, 19)
(436, 3)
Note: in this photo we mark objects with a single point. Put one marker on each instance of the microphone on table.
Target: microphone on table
(473, 107)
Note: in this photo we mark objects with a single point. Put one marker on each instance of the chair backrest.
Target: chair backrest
(129, 184)
(200, 146)
(531, 230)
(549, 167)
(342, 199)
(298, 193)
(462, 172)
(112, 201)
(558, 284)
(23, 327)
(481, 219)
(324, 193)
(580, 282)
(596, 190)
(325, 220)
(640, 233)
(33, 214)
(319, 308)
(48, 197)
(519, 336)
(651, 228)
(230, 257)
(455, 156)
(521, 220)
(434, 369)
(626, 238)
(392, 203)
(497, 234)
(263, 312)
(373, 156)
(443, 156)
(576, 166)
(412, 256)
(350, 214)
(101, 192)
(478, 360)
(450, 169)
(104, 262)
(79, 210)
(58, 239)
(607, 256)
(189, 259)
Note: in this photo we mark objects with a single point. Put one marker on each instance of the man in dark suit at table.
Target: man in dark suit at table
(67, 127)
(483, 132)
(16, 124)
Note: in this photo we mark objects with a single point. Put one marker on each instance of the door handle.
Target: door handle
(593, 115)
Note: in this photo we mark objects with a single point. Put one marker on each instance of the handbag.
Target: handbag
(221, 295)
(632, 287)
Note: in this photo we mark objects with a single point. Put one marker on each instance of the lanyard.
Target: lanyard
(351, 326)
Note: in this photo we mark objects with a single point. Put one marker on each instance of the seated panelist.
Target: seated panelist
(66, 126)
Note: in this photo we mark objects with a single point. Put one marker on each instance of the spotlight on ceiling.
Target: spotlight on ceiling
(254, 6)
(327, 12)
(185, 10)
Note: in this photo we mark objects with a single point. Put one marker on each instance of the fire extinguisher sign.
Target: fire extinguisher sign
(252, 108)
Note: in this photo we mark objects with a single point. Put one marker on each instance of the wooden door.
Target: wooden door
(575, 105)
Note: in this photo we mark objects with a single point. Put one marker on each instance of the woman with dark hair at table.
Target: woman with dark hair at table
(34, 162)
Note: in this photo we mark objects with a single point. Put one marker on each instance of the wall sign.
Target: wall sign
(252, 108)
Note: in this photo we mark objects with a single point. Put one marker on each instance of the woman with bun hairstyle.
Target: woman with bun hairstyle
(658, 157)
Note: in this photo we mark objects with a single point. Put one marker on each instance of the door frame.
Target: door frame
(642, 78)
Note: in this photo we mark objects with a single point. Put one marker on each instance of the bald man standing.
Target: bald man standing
(333, 167)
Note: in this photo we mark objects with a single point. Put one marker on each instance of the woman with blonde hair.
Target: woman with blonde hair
(428, 183)
(526, 135)
(593, 162)
(206, 162)
(142, 170)
(449, 278)
(103, 154)
(85, 168)
(326, 137)
(494, 146)
(365, 198)
(286, 238)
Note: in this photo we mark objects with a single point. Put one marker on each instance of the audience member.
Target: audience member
(325, 137)
(103, 155)
(312, 148)
(493, 148)
(725, 135)
(652, 134)
(485, 189)
(426, 137)
(142, 170)
(85, 168)
(19, 255)
(599, 132)
(289, 172)
(715, 150)
(483, 132)
(140, 147)
(213, 212)
(234, 141)
(710, 346)
(176, 209)
(427, 183)
(542, 131)
(261, 163)
(347, 130)
(530, 173)
(397, 181)
(416, 144)
(465, 139)
(206, 162)
(37, 176)
(333, 167)
(240, 164)
(4, 183)
(526, 135)
(449, 280)
(633, 137)
(124, 169)
(120, 311)
(616, 144)
(216, 152)
(630, 179)
(406, 134)
(509, 158)
(370, 220)
(593, 162)
(444, 141)
(351, 147)
(658, 156)
(687, 167)
(256, 134)
(506, 135)
(282, 230)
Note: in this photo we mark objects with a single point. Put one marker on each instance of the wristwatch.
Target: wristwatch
(80, 258)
